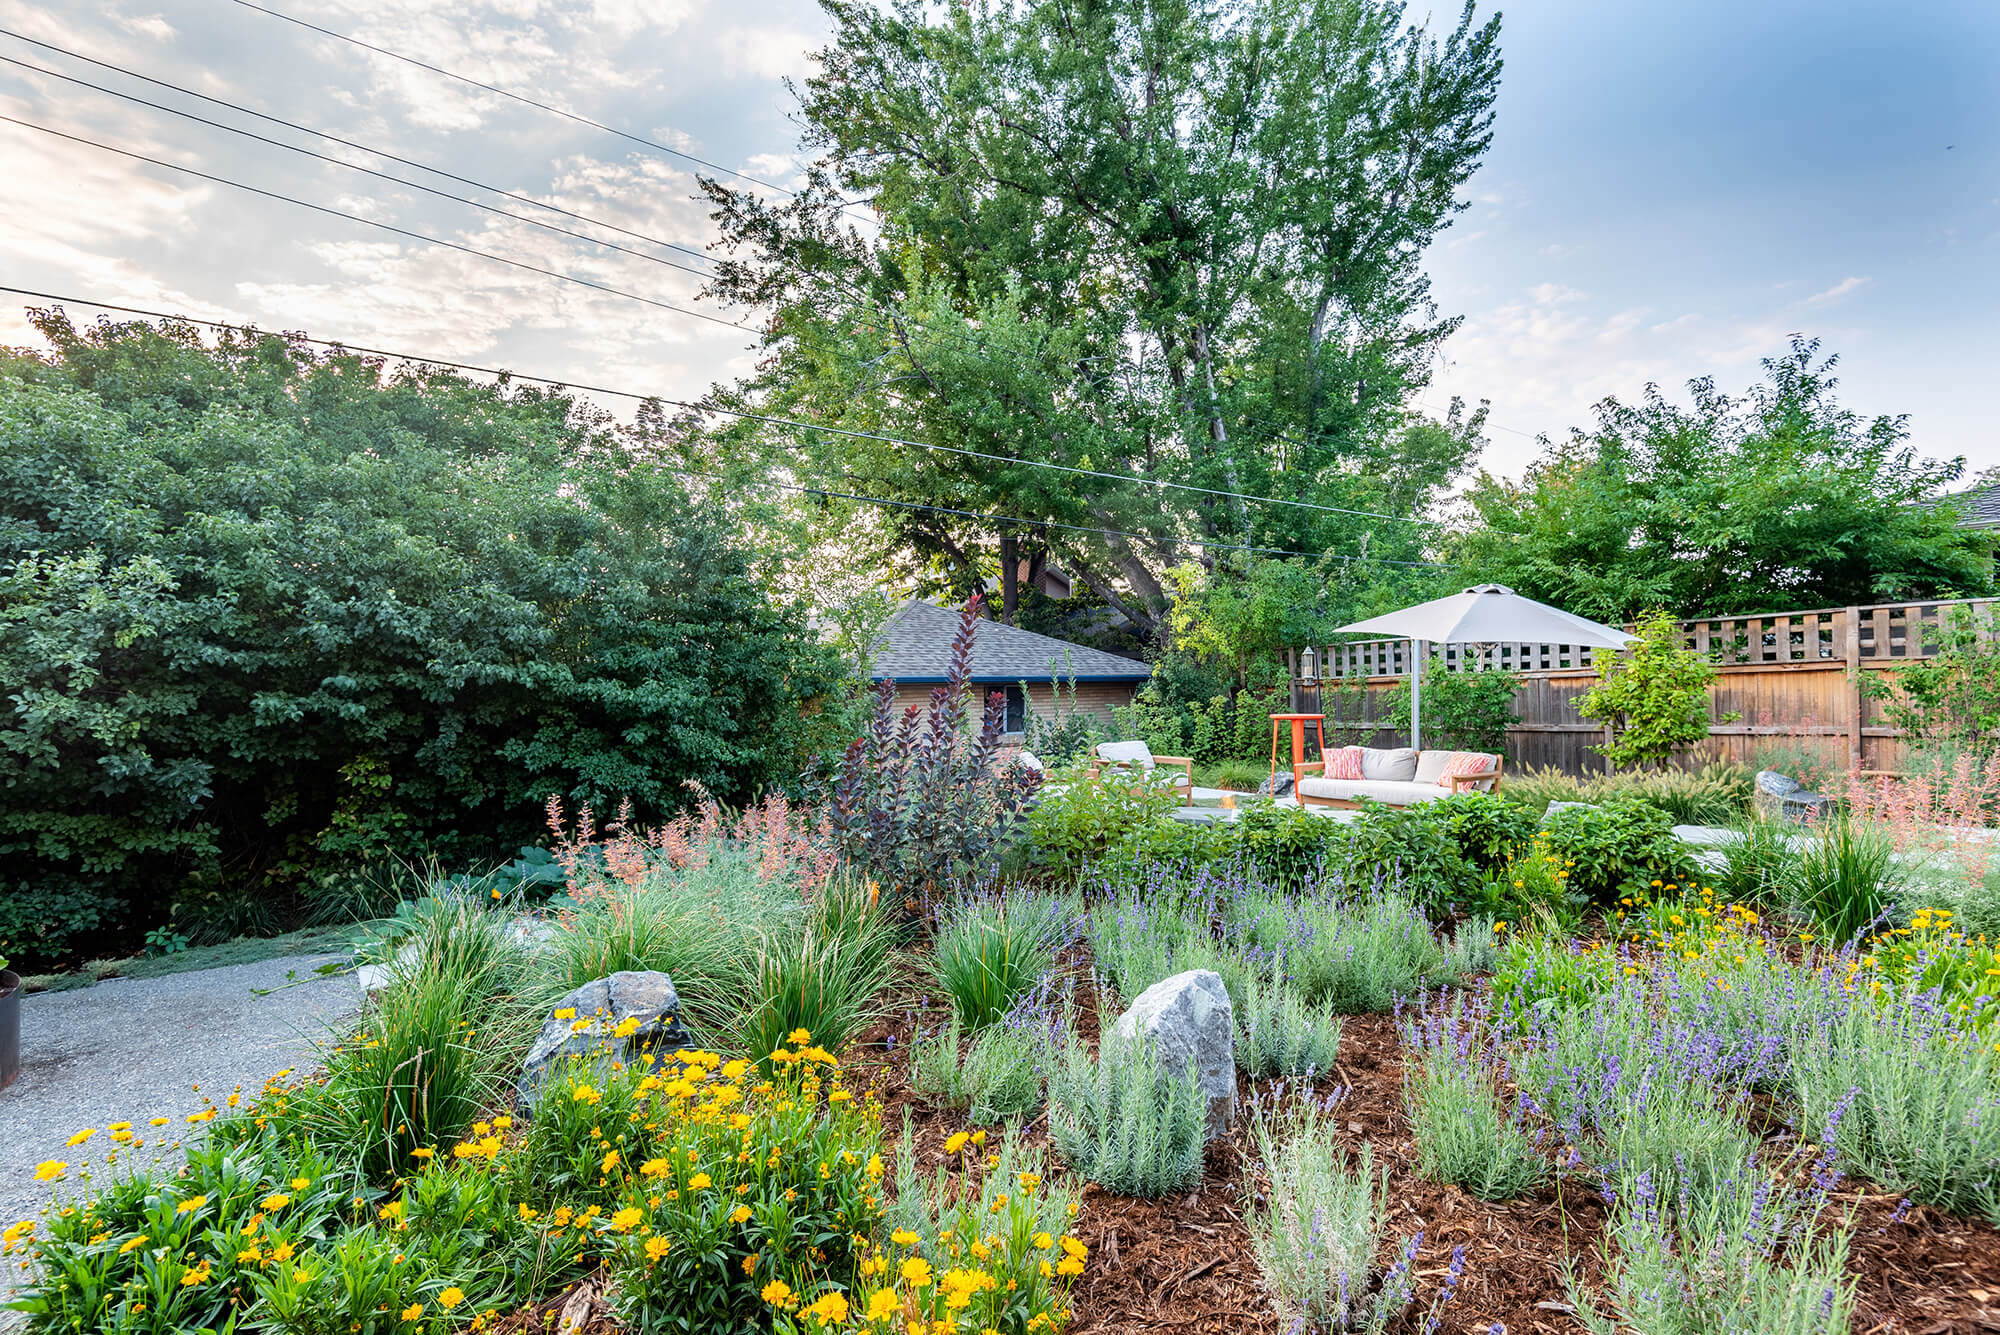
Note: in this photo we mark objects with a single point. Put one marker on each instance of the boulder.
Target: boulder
(1278, 785)
(1770, 783)
(1557, 808)
(1806, 808)
(614, 1020)
(1189, 1022)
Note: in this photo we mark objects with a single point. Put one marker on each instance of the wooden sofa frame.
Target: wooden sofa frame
(1457, 783)
(1098, 765)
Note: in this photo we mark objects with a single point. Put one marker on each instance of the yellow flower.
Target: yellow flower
(414, 1312)
(699, 1182)
(451, 1297)
(776, 1293)
(191, 1204)
(584, 1094)
(656, 1248)
(274, 1201)
(301, 1183)
(655, 1168)
(626, 1028)
(916, 1271)
(739, 1214)
(798, 1038)
(627, 1219)
(82, 1136)
(132, 1244)
(50, 1170)
(831, 1308)
(883, 1305)
(566, 1013)
(1044, 1241)
(1069, 1265)
(902, 1237)
(956, 1143)
(281, 1253)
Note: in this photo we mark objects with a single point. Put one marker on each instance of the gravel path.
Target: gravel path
(130, 1049)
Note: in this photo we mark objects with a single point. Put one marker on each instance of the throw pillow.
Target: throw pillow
(1465, 764)
(1344, 763)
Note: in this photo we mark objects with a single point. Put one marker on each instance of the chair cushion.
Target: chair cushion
(1343, 762)
(1464, 764)
(1382, 790)
(1137, 753)
(1431, 763)
(1396, 765)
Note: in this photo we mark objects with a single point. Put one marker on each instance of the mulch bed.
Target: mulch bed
(1184, 1263)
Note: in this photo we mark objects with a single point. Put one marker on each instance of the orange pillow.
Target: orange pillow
(1344, 763)
(1465, 764)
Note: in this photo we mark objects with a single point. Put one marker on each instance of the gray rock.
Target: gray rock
(1278, 785)
(529, 933)
(1188, 1019)
(602, 1007)
(1806, 808)
(1770, 783)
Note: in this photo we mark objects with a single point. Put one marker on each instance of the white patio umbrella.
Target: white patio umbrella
(1483, 614)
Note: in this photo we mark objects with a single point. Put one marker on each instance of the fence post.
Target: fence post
(1857, 716)
(1291, 685)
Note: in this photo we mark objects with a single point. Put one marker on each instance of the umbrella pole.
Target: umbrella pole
(1416, 693)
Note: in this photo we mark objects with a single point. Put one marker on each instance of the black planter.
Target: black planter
(10, 1026)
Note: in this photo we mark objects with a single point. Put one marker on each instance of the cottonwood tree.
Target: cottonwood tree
(1162, 241)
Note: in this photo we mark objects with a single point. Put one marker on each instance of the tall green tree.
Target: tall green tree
(1774, 500)
(265, 614)
(1160, 241)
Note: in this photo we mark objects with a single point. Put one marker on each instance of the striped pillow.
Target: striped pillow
(1343, 763)
(1464, 764)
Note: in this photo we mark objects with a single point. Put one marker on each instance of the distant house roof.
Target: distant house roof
(1979, 506)
(916, 647)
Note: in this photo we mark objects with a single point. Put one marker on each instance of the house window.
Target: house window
(1017, 709)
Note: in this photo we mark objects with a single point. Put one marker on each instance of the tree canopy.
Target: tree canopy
(1173, 246)
(263, 612)
(1776, 499)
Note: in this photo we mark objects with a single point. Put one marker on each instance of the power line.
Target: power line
(336, 139)
(523, 98)
(711, 409)
(371, 222)
(366, 171)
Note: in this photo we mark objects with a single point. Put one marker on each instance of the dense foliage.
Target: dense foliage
(1777, 499)
(1176, 245)
(267, 614)
(1656, 701)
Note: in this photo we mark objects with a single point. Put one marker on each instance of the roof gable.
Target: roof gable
(915, 646)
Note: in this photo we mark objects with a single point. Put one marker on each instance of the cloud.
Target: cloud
(154, 26)
(767, 53)
(1836, 292)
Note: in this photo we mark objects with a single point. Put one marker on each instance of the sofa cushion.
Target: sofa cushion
(1464, 764)
(1396, 764)
(1344, 762)
(1431, 763)
(1137, 753)
(1381, 790)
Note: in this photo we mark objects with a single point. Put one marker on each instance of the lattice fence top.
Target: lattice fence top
(1829, 635)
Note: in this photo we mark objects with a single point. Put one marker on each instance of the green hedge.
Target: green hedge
(264, 615)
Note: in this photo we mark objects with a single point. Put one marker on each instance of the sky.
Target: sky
(1673, 190)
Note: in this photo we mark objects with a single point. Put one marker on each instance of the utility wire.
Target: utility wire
(386, 227)
(336, 139)
(366, 171)
(523, 98)
(449, 364)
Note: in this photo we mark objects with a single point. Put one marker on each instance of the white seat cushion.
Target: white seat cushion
(1382, 790)
(1395, 764)
(1137, 753)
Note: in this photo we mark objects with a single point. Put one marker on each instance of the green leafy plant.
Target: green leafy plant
(1846, 877)
(823, 974)
(1655, 702)
(1624, 844)
(1462, 710)
(1951, 699)
(1077, 821)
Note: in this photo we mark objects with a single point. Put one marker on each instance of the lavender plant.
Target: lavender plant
(1315, 1227)
(1452, 1099)
(1360, 953)
(1744, 1259)
(1278, 1034)
(1124, 1120)
(919, 803)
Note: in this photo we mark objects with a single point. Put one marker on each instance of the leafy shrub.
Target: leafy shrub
(990, 951)
(1278, 1034)
(1452, 1100)
(1656, 701)
(1487, 828)
(1531, 884)
(1077, 821)
(1624, 844)
(1316, 1230)
(993, 1237)
(1406, 848)
(1542, 970)
(914, 803)
(279, 612)
(1464, 711)
(1125, 1121)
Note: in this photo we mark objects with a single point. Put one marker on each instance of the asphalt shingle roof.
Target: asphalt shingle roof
(1979, 507)
(916, 647)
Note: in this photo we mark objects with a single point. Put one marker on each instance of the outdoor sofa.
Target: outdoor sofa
(1397, 776)
(1138, 759)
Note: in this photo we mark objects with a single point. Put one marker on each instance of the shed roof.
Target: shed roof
(915, 646)
(1979, 505)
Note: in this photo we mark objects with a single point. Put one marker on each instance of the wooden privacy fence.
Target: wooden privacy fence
(1787, 675)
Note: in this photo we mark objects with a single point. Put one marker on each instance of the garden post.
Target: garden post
(1857, 716)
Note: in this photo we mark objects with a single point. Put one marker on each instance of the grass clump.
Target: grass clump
(1124, 1120)
(1846, 877)
(989, 952)
(1451, 1095)
(1278, 1034)
(822, 974)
